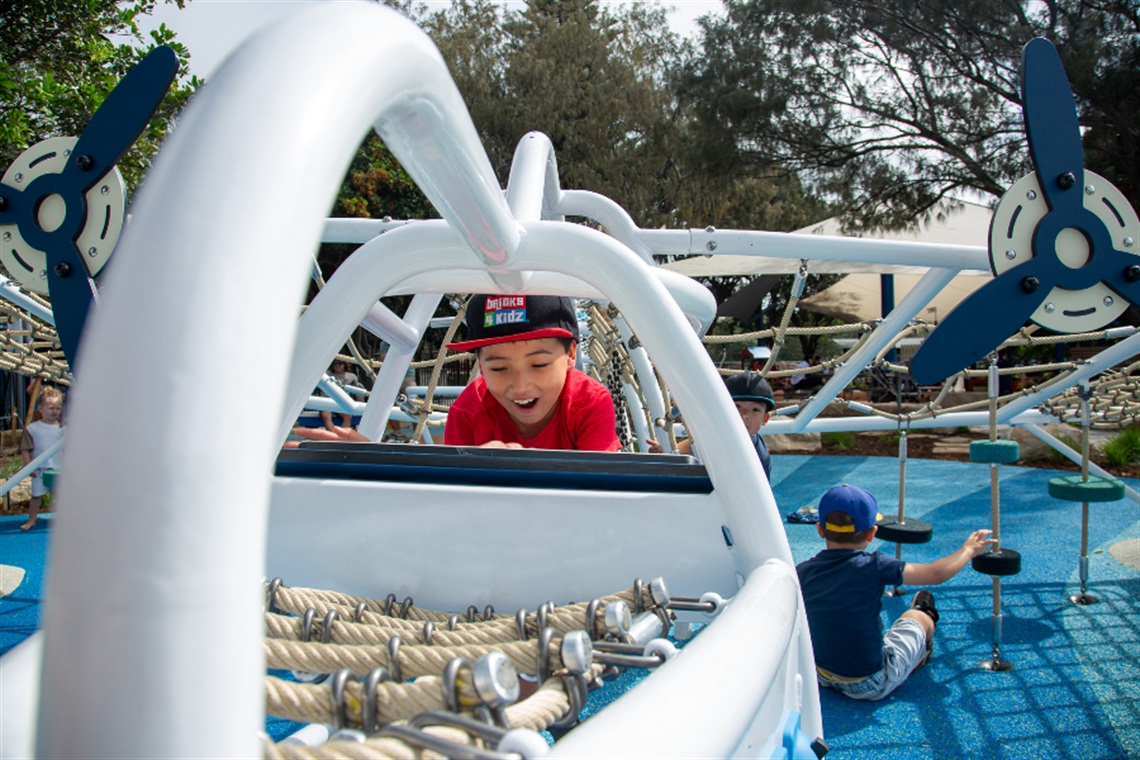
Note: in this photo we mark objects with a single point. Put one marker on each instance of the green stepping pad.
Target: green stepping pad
(994, 452)
(49, 477)
(1072, 488)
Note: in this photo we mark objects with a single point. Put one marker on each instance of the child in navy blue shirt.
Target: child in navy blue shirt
(843, 590)
(754, 402)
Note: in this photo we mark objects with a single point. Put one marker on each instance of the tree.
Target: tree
(596, 81)
(890, 106)
(60, 58)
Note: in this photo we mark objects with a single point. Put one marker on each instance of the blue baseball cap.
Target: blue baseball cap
(855, 501)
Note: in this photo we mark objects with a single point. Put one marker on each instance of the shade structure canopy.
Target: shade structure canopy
(858, 297)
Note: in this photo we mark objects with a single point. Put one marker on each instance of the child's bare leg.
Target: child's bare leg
(923, 619)
(33, 510)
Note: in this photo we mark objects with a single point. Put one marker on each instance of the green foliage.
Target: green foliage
(1123, 449)
(595, 78)
(9, 466)
(60, 58)
(839, 440)
(888, 106)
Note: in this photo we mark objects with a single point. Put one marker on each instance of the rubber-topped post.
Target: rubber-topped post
(995, 663)
(1082, 597)
(898, 590)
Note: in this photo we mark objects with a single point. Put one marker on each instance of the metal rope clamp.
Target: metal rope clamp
(494, 681)
(577, 654)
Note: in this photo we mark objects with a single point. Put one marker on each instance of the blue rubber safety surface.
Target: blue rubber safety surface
(20, 610)
(1074, 691)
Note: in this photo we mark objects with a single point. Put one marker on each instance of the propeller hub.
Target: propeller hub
(1066, 181)
(51, 212)
(1073, 248)
(1030, 284)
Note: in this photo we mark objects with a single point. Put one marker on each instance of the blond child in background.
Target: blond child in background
(38, 437)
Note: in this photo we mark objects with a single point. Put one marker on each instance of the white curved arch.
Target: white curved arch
(116, 636)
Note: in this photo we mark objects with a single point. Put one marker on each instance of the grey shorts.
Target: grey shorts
(904, 646)
(38, 487)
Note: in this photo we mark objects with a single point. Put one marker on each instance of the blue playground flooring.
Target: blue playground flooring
(1074, 691)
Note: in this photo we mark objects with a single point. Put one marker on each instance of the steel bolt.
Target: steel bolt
(1109, 301)
(1010, 254)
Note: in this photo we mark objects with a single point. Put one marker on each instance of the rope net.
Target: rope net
(403, 678)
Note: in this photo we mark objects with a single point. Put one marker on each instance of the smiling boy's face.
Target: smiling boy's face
(526, 378)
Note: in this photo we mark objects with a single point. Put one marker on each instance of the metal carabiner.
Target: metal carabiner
(394, 658)
(451, 673)
(271, 594)
(340, 711)
(372, 681)
(326, 625)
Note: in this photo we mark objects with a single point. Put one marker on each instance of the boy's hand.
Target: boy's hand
(501, 445)
(978, 542)
(337, 434)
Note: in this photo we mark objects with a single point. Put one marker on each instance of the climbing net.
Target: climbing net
(1117, 391)
(30, 346)
(393, 679)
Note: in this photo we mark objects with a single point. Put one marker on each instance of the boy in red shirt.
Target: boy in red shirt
(528, 394)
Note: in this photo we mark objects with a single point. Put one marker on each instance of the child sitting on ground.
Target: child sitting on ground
(38, 436)
(754, 401)
(843, 588)
(528, 393)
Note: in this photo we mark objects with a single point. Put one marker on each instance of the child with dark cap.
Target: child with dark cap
(843, 588)
(755, 402)
(528, 393)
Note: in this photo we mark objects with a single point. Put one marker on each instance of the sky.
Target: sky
(213, 28)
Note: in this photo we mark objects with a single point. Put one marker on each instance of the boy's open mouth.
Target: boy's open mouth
(526, 403)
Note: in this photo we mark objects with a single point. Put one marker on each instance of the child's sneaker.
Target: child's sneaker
(924, 601)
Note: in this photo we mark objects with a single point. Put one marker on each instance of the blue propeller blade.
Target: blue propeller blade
(122, 117)
(1051, 125)
(998, 308)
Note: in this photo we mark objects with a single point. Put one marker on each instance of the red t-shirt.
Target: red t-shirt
(583, 419)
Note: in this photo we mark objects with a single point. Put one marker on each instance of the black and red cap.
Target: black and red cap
(509, 318)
